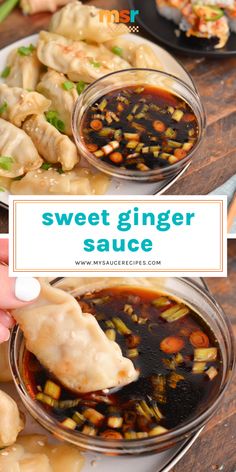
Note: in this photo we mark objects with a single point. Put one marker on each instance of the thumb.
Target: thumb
(17, 292)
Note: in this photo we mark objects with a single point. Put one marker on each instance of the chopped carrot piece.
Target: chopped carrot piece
(199, 339)
(116, 157)
(172, 344)
(110, 434)
(180, 153)
(188, 117)
(92, 147)
(120, 107)
(96, 125)
(159, 126)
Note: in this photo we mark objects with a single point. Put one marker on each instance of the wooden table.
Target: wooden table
(215, 162)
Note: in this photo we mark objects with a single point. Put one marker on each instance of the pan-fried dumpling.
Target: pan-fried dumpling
(84, 22)
(77, 59)
(16, 104)
(61, 457)
(33, 453)
(80, 181)
(17, 152)
(10, 421)
(138, 55)
(24, 70)
(71, 344)
(5, 372)
(51, 144)
(62, 100)
(30, 7)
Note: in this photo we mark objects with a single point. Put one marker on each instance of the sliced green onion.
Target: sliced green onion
(3, 107)
(2, 189)
(52, 390)
(89, 430)
(157, 431)
(46, 166)
(6, 72)
(6, 162)
(65, 404)
(117, 50)
(103, 105)
(47, 400)
(6, 8)
(198, 367)
(95, 63)
(132, 353)
(111, 334)
(80, 86)
(205, 354)
(26, 50)
(78, 418)
(174, 313)
(68, 85)
(53, 118)
(121, 326)
(93, 416)
(69, 423)
(170, 133)
(177, 115)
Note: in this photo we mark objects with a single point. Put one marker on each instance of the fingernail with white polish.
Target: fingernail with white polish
(27, 288)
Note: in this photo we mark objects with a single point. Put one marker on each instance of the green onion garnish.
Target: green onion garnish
(2, 189)
(117, 50)
(26, 50)
(80, 86)
(6, 162)
(3, 107)
(46, 166)
(53, 119)
(95, 63)
(68, 85)
(5, 73)
(6, 8)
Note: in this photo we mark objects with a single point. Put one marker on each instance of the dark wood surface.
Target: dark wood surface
(215, 162)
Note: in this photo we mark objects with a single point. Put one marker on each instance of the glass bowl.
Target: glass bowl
(195, 296)
(125, 78)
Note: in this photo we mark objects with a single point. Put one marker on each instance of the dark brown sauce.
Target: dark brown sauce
(178, 402)
(162, 128)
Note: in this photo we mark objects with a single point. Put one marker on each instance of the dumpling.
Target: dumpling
(24, 70)
(5, 372)
(138, 55)
(16, 104)
(71, 344)
(30, 7)
(17, 152)
(10, 421)
(62, 100)
(83, 22)
(61, 457)
(77, 59)
(33, 453)
(51, 144)
(80, 181)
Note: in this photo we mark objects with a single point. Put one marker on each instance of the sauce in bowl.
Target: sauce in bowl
(140, 128)
(173, 348)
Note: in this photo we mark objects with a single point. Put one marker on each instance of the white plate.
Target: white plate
(162, 462)
(170, 65)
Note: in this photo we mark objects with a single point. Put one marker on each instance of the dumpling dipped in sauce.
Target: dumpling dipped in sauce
(71, 344)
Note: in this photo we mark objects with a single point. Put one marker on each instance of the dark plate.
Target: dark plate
(164, 31)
